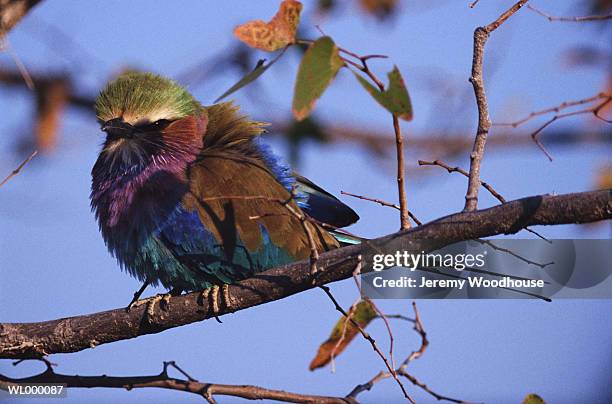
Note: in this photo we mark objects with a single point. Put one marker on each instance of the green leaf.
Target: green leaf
(259, 69)
(395, 98)
(318, 68)
(533, 399)
(343, 333)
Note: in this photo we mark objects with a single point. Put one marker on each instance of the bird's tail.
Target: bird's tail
(345, 238)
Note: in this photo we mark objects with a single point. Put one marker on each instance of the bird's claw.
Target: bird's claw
(213, 293)
(227, 298)
(163, 299)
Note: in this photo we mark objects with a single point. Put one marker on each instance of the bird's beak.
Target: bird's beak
(119, 128)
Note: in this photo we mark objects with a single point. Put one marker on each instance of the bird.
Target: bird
(189, 197)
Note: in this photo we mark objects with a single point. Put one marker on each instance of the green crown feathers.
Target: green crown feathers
(138, 96)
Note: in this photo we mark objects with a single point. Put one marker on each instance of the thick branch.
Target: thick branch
(33, 340)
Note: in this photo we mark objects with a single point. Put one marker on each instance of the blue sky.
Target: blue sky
(53, 262)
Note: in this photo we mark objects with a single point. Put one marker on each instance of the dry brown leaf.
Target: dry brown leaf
(273, 35)
(343, 333)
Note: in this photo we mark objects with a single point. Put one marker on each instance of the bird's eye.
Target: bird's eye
(157, 125)
(161, 123)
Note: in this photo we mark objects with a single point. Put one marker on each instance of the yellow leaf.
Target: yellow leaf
(273, 35)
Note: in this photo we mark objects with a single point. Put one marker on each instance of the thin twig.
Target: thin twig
(367, 386)
(371, 340)
(177, 367)
(605, 97)
(481, 34)
(25, 74)
(381, 314)
(418, 327)
(345, 51)
(19, 167)
(570, 19)
(556, 109)
(595, 111)
(332, 354)
(465, 173)
(351, 311)
(401, 187)
(488, 187)
(364, 68)
(399, 317)
(383, 203)
(399, 147)
(515, 255)
(422, 385)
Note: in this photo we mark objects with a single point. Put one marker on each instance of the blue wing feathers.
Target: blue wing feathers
(185, 255)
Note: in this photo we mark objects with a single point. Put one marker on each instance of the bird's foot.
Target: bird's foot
(163, 299)
(213, 293)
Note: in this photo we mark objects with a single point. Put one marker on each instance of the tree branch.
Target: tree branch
(399, 143)
(485, 185)
(401, 187)
(34, 340)
(371, 340)
(383, 203)
(163, 381)
(570, 19)
(19, 168)
(556, 109)
(481, 34)
(594, 110)
(460, 170)
(401, 370)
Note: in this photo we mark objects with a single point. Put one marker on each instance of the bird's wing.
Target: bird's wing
(323, 206)
(238, 200)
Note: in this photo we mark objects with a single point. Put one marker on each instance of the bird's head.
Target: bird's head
(148, 118)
